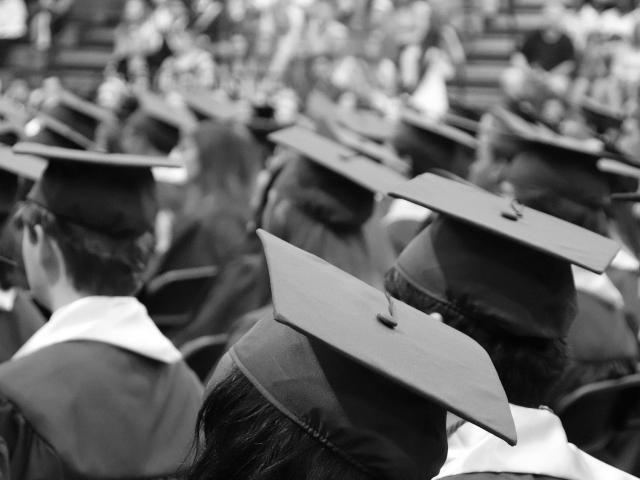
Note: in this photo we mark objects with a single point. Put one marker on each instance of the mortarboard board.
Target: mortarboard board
(601, 116)
(342, 160)
(366, 123)
(161, 122)
(367, 376)
(66, 120)
(206, 105)
(439, 129)
(30, 167)
(111, 194)
(465, 124)
(433, 145)
(509, 261)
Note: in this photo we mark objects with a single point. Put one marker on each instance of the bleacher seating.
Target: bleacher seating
(80, 52)
(488, 53)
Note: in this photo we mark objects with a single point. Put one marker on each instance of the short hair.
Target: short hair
(528, 367)
(96, 263)
(239, 436)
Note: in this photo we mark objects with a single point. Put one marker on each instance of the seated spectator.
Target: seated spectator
(548, 52)
(48, 20)
(189, 65)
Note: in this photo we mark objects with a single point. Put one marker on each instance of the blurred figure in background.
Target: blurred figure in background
(222, 163)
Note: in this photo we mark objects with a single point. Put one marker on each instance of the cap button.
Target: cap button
(387, 320)
(514, 212)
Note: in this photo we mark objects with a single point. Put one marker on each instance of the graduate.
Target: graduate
(430, 146)
(222, 164)
(318, 197)
(559, 176)
(501, 273)
(341, 381)
(155, 127)
(98, 391)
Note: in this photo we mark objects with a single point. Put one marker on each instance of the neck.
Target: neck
(61, 295)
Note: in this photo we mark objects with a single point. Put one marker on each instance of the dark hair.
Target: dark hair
(528, 367)
(240, 436)
(229, 161)
(96, 263)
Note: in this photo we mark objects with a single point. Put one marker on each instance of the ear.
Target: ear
(48, 254)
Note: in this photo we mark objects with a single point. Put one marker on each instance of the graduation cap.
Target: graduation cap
(30, 167)
(342, 160)
(507, 261)
(601, 116)
(559, 175)
(621, 170)
(66, 120)
(433, 145)
(9, 133)
(366, 123)
(367, 376)
(465, 124)
(206, 105)
(160, 122)
(439, 129)
(111, 194)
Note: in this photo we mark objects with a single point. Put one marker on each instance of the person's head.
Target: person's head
(135, 11)
(500, 276)
(59, 253)
(571, 189)
(155, 127)
(321, 212)
(237, 422)
(314, 390)
(442, 147)
(88, 224)
(143, 135)
(554, 13)
(528, 367)
(222, 158)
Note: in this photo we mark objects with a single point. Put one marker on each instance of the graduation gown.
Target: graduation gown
(19, 320)
(88, 400)
(602, 344)
(213, 235)
(542, 453)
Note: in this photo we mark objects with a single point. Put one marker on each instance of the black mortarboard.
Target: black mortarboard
(344, 161)
(600, 116)
(66, 120)
(381, 153)
(433, 145)
(559, 175)
(367, 376)
(465, 124)
(10, 133)
(108, 193)
(505, 261)
(367, 123)
(205, 105)
(161, 123)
